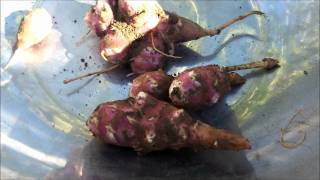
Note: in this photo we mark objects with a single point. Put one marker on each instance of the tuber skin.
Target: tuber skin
(140, 18)
(100, 17)
(155, 83)
(197, 87)
(145, 57)
(143, 15)
(147, 124)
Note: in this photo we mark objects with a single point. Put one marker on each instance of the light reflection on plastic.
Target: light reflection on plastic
(7, 173)
(30, 152)
(62, 125)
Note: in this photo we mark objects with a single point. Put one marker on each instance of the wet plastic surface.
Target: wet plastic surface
(43, 131)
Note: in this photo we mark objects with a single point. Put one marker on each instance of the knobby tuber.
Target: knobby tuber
(121, 23)
(204, 86)
(196, 87)
(147, 52)
(172, 30)
(147, 124)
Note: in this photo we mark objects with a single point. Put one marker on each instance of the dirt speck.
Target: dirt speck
(305, 72)
(99, 81)
(86, 64)
(82, 60)
(90, 57)
(55, 22)
(64, 69)
(75, 21)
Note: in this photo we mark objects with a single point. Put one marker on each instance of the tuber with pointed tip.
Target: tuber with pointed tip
(179, 29)
(144, 35)
(120, 23)
(147, 124)
(203, 86)
(197, 87)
